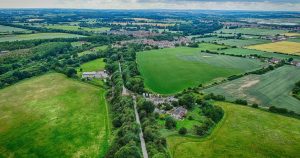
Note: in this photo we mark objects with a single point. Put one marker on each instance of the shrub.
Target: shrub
(170, 123)
(255, 105)
(182, 131)
(241, 102)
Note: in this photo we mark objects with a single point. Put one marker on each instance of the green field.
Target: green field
(94, 65)
(77, 28)
(272, 88)
(294, 40)
(244, 132)
(8, 29)
(242, 42)
(92, 51)
(53, 116)
(168, 71)
(37, 36)
(252, 31)
(242, 51)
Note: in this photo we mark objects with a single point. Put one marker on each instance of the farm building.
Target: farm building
(157, 99)
(296, 63)
(94, 74)
(178, 112)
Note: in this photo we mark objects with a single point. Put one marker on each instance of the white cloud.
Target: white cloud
(152, 4)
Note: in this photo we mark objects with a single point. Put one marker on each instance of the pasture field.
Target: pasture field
(37, 36)
(168, 71)
(94, 50)
(8, 29)
(242, 42)
(282, 47)
(272, 88)
(53, 116)
(243, 51)
(252, 31)
(77, 28)
(243, 132)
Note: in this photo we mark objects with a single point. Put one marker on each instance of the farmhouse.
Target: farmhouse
(94, 74)
(178, 112)
(274, 61)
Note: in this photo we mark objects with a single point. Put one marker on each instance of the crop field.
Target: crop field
(243, 132)
(77, 28)
(37, 36)
(292, 34)
(168, 71)
(282, 47)
(242, 51)
(252, 31)
(8, 29)
(53, 116)
(241, 42)
(272, 88)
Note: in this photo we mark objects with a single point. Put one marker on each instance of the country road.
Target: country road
(143, 144)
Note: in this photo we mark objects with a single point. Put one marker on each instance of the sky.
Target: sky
(259, 5)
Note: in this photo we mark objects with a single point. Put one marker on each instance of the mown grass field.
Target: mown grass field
(53, 116)
(8, 29)
(168, 71)
(94, 65)
(37, 36)
(244, 132)
(77, 28)
(243, 51)
(252, 31)
(272, 88)
(282, 47)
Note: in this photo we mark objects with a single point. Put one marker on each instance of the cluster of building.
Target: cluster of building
(159, 44)
(276, 61)
(256, 25)
(176, 112)
(295, 63)
(95, 74)
(138, 34)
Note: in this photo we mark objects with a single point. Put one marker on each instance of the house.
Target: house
(274, 61)
(179, 112)
(95, 74)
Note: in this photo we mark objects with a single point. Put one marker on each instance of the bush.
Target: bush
(182, 131)
(255, 105)
(241, 102)
(170, 123)
(278, 110)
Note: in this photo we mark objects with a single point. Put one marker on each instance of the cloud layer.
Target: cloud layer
(267, 5)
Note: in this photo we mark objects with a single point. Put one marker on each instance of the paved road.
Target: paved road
(143, 144)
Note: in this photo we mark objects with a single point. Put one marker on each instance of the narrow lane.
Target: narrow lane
(143, 144)
(137, 118)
